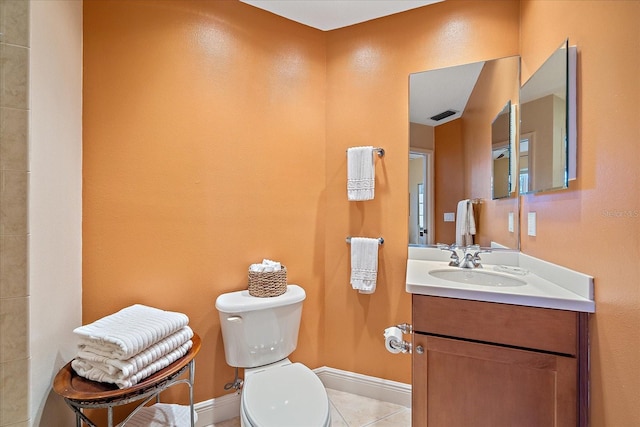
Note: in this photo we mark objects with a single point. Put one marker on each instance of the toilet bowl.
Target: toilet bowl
(289, 395)
(258, 335)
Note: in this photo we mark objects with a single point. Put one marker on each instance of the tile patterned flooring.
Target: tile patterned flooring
(350, 410)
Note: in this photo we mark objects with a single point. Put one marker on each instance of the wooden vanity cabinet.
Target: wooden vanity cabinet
(497, 365)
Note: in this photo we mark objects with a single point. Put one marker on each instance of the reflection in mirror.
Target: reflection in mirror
(543, 126)
(451, 112)
(420, 197)
(501, 153)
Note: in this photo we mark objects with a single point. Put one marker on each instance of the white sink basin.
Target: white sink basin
(506, 277)
(477, 277)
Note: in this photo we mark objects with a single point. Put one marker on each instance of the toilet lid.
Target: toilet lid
(285, 396)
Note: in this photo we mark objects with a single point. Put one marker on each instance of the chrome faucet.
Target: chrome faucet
(470, 255)
(471, 258)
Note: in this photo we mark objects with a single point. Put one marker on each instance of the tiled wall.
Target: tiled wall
(14, 179)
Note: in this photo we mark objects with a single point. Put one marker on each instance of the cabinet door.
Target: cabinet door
(460, 383)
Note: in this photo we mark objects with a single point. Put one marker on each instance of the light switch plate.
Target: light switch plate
(510, 222)
(531, 229)
(449, 217)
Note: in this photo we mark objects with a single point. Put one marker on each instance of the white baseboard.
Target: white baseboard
(217, 410)
(364, 385)
(228, 406)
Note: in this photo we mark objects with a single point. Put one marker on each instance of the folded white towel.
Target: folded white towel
(274, 264)
(360, 174)
(267, 266)
(257, 268)
(364, 264)
(95, 374)
(162, 415)
(130, 330)
(465, 223)
(91, 357)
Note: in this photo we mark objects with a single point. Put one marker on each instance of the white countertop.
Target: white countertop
(548, 285)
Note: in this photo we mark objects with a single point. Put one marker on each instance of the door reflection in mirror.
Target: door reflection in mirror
(501, 153)
(524, 175)
(420, 197)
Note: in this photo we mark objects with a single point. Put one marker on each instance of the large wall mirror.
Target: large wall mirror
(451, 152)
(544, 153)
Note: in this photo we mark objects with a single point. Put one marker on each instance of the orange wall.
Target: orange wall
(215, 135)
(204, 151)
(538, 116)
(448, 178)
(367, 103)
(421, 136)
(497, 84)
(594, 227)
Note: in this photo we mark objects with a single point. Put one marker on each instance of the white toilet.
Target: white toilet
(259, 334)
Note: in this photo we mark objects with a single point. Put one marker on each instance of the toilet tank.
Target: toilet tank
(258, 331)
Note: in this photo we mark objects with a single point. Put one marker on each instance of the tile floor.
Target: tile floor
(350, 410)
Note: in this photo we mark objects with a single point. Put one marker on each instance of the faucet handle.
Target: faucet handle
(476, 255)
(478, 250)
(455, 260)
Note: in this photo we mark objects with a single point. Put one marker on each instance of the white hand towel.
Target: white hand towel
(471, 220)
(130, 330)
(360, 174)
(465, 223)
(364, 264)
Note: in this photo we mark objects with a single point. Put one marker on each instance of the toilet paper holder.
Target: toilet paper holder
(394, 341)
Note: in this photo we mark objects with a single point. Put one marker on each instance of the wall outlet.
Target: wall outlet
(449, 217)
(531, 229)
(510, 222)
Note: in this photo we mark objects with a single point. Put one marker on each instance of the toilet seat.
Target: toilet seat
(285, 396)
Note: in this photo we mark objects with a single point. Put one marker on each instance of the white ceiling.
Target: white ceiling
(549, 79)
(435, 91)
(332, 14)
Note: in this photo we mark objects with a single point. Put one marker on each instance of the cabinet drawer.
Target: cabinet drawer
(527, 327)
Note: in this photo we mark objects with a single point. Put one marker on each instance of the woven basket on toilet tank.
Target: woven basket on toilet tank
(269, 284)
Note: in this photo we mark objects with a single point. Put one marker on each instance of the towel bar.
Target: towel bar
(379, 151)
(380, 240)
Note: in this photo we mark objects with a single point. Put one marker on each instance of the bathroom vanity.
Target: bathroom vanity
(496, 354)
(482, 363)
